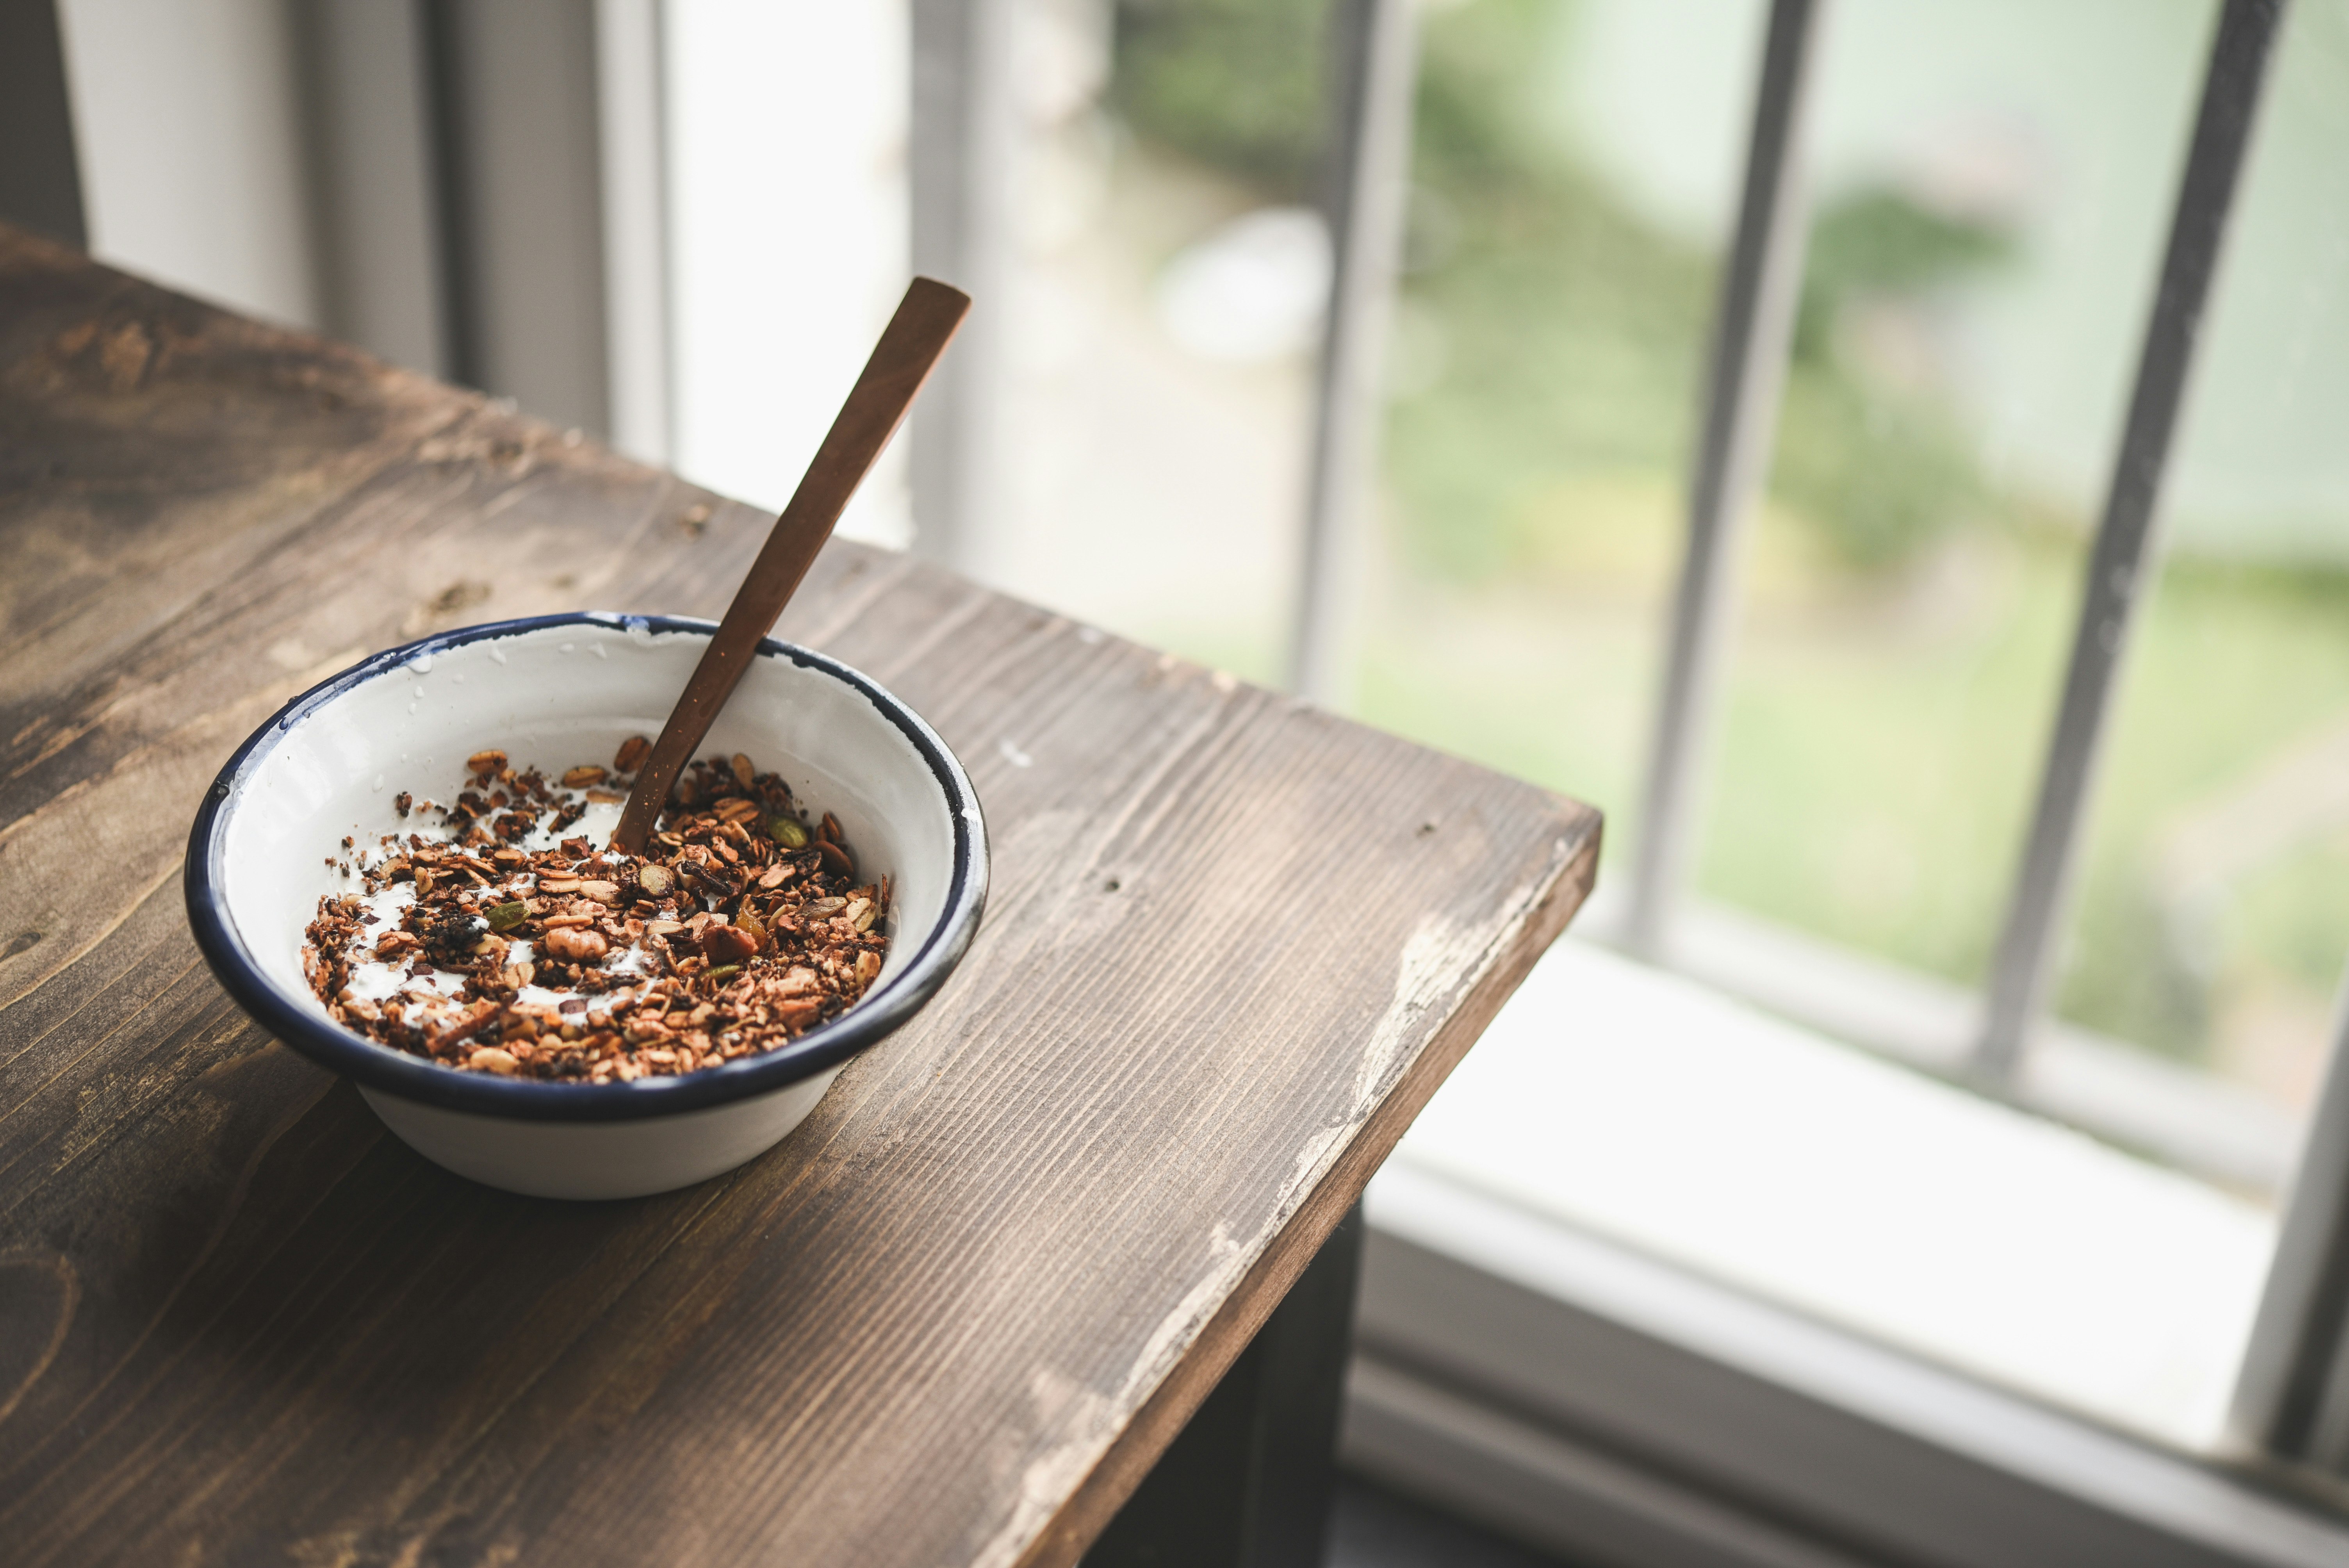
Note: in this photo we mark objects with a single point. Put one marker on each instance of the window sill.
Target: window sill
(1604, 1404)
(1639, 1105)
(1659, 1279)
(2189, 1118)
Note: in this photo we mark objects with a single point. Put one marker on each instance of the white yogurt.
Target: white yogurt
(375, 980)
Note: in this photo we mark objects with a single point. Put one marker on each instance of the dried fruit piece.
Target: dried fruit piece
(654, 879)
(631, 755)
(727, 943)
(506, 916)
(787, 833)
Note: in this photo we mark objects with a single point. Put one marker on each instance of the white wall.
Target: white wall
(186, 117)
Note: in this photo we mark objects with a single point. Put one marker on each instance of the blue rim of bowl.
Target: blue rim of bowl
(292, 1018)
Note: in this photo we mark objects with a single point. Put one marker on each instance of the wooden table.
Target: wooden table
(1233, 945)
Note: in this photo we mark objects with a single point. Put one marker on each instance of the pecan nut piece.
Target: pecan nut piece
(572, 945)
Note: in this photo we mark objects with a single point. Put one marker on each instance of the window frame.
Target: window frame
(1604, 1404)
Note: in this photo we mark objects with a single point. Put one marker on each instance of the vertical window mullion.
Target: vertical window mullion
(2291, 1399)
(964, 128)
(2118, 561)
(1375, 54)
(632, 132)
(1752, 335)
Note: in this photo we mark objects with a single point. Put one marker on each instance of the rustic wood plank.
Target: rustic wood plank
(1234, 943)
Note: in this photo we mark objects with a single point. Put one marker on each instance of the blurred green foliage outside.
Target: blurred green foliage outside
(1908, 618)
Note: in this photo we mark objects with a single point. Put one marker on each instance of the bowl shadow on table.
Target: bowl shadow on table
(281, 1286)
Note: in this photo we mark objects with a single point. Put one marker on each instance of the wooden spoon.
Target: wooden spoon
(908, 350)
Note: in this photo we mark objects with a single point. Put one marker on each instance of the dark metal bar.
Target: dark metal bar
(376, 169)
(1247, 1482)
(522, 194)
(962, 145)
(40, 174)
(449, 131)
(1751, 340)
(2117, 564)
(1375, 56)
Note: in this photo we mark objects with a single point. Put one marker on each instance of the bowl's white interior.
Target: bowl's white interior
(556, 697)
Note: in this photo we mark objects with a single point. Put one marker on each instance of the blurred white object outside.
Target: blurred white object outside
(1253, 291)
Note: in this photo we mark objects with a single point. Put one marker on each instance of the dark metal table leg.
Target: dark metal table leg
(1247, 1482)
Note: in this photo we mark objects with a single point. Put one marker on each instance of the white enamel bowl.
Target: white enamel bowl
(556, 691)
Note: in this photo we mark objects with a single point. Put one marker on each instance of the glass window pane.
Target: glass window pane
(1164, 308)
(1993, 187)
(1574, 168)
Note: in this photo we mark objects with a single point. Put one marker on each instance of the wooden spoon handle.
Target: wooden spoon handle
(908, 350)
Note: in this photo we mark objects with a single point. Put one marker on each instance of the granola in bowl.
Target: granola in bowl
(490, 938)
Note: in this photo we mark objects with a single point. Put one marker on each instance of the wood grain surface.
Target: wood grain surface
(1233, 945)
